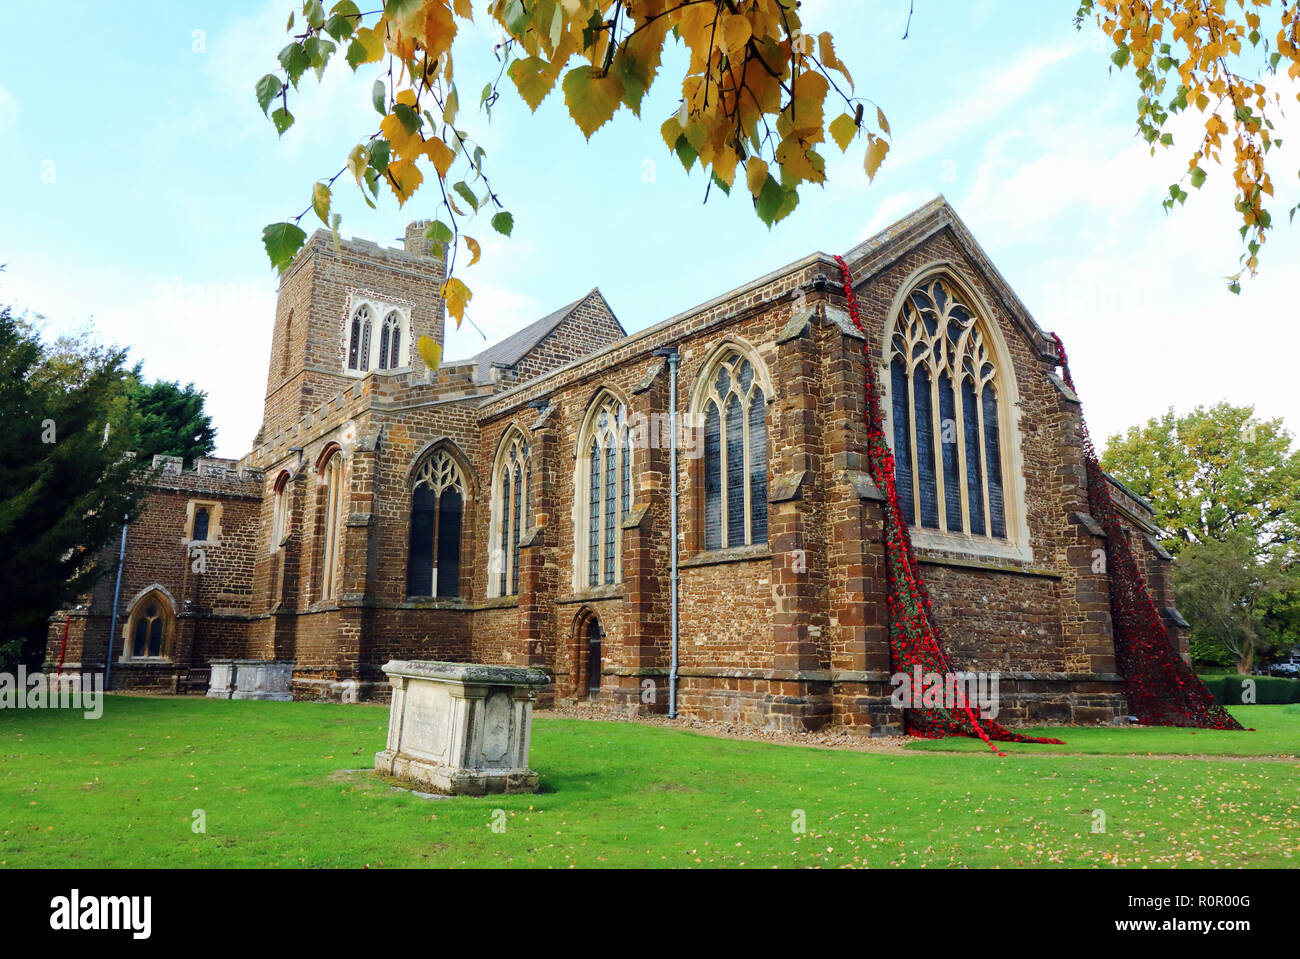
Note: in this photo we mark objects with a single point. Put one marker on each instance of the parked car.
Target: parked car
(1287, 668)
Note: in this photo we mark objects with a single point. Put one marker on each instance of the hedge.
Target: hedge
(1269, 690)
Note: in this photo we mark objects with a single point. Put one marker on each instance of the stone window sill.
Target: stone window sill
(735, 554)
(594, 594)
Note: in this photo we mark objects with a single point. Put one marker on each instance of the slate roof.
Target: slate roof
(515, 347)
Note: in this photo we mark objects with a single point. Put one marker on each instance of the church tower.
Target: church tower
(346, 312)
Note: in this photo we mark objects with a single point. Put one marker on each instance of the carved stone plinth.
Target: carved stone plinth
(250, 679)
(460, 728)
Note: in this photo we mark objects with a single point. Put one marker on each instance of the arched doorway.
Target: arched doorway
(587, 656)
(593, 657)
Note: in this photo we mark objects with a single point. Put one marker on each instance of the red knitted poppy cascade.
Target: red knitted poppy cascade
(1160, 687)
(913, 638)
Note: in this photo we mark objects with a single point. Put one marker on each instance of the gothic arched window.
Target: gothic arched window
(733, 412)
(390, 342)
(944, 405)
(332, 504)
(359, 340)
(150, 627)
(280, 511)
(604, 493)
(437, 507)
(511, 513)
(202, 518)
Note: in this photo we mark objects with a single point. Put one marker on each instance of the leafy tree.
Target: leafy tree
(66, 483)
(1214, 472)
(171, 421)
(1239, 604)
(754, 101)
(1197, 55)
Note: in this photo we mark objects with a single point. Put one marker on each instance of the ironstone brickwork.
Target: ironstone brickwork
(786, 633)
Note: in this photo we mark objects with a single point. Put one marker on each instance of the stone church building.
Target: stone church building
(518, 508)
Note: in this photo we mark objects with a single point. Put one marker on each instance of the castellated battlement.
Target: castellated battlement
(386, 390)
(210, 474)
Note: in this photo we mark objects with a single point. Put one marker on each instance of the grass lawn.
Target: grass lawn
(273, 780)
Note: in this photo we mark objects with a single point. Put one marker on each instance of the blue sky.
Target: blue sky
(134, 187)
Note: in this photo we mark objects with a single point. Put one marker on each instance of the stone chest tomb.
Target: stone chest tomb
(461, 728)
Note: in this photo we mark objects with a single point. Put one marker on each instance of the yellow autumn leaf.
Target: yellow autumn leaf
(724, 165)
(875, 155)
(475, 250)
(843, 130)
(457, 296)
(533, 79)
(357, 161)
(830, 60)
(756, 175)
(430, 352)
(404, 177)
(372, 42)
(464, 9)
(440, 155)
(592, 99)
(734, 32)
(320, 201)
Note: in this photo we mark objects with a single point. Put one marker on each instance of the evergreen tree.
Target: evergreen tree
(66, 483)
(171, 421)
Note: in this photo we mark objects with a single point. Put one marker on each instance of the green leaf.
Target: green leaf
(1198, 177)
(319, 50)
(268, 88)
(503, 223)
(282, 119)
(295, 61)
(466, 194)
(379, 97)
(282, 241)
(379, 150)
(1120, 57)
(410, 119)
(775, 202)
(439, 234)
(314, 13)
(339, 27)
(685, 152)
(356, 54)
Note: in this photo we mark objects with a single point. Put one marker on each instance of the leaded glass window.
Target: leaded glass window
(734, 409)
(511, 514)
(604, 486)
(437, 507)
(945, 409)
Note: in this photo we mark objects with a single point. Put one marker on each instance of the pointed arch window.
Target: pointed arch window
(390, 342)
(733, 411)
(280, 511)
(604, 493)
(359, 340)
(437, 510)
(944, 404)
(371, 343)
(150, 628)
(511, 513)
(332, 504)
